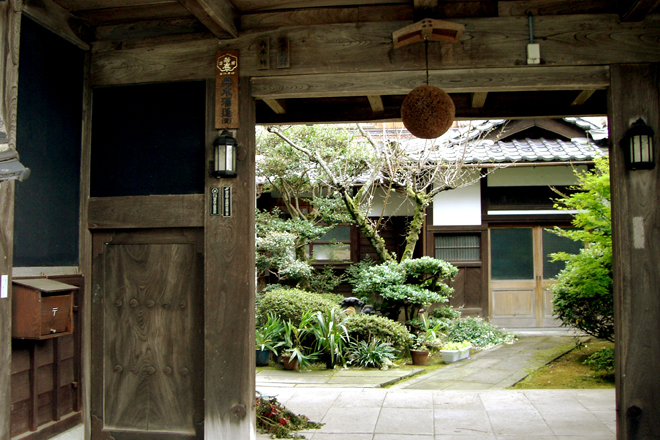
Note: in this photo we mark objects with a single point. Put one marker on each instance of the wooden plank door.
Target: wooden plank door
(521, 274)
(147, 323)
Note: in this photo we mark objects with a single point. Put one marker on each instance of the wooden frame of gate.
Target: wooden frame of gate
(585, 53)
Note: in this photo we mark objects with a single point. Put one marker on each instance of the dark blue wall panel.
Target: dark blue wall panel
(148, 139)
(48, 141)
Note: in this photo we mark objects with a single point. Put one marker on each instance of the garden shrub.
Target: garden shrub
(481, 334)
(445, 312)
(409, 285)
(372, 354)
(603, 359)
(369, 327)
(290, 304)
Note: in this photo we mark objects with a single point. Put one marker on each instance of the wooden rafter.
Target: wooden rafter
(376, 103)
(58, 20)
(479, 99)
(277, 105)
(636, 10)
(219, 16)
(582, 97)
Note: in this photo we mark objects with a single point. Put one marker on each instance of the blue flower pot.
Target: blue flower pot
(263, 357)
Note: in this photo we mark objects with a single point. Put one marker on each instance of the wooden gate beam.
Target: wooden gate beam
(635, 94)
(229, 292)
(10, 25)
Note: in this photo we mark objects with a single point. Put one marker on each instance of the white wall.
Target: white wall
(397, 204)
(458, 207)
(535, 176)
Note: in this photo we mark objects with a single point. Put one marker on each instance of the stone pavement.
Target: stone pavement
(386, 414)
(496, 369)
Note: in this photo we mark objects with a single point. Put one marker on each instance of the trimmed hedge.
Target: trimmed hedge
(290, 304)
(367, 327)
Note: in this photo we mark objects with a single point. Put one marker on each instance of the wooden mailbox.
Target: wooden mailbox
(42, 308)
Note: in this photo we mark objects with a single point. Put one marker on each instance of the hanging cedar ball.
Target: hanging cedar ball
(427, 112)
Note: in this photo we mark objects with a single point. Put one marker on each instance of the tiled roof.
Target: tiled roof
(468, 142)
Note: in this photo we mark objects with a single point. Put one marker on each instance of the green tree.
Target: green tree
(583, 294)
(351, 166)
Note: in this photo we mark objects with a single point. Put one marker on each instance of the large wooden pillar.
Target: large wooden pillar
(229, 287)
(634, 94)
(10, 25)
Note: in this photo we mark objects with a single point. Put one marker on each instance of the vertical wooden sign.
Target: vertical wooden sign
(226, 89)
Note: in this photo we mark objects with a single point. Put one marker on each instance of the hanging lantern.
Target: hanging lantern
(638, 146)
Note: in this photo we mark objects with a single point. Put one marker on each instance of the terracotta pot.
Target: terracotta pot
(288, 363)
(419, 357)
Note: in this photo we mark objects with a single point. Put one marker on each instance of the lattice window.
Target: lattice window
(458, 247)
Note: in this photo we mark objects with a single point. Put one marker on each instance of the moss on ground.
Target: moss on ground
(569, 371)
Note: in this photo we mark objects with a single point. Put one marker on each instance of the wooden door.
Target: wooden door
(147, 324)
(521, 274)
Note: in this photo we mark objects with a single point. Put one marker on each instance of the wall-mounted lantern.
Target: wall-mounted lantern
(224, 149)
(638, 146)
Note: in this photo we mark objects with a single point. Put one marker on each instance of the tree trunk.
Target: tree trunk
(363, 224)
(416, 224)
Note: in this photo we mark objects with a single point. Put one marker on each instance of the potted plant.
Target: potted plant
(426, 339)
(268, 338)
(295, 355)
(455, 351)
(331, 336)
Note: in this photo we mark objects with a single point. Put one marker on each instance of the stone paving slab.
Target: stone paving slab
(367, 378)
(400, 414)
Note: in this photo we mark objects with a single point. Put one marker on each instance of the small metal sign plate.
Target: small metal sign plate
(226, 201)
(215, 201)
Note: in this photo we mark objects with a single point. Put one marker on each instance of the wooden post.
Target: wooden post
(10, 25)
(634, 94)
(230, 286)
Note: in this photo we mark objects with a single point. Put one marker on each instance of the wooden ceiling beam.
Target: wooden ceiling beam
(160, 11)
(59, 21)
(452, 81)
(486, 43)
(150, 29)
(636, 10)
(219, 16)
(517, 8)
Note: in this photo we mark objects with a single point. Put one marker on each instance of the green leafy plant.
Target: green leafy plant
(456, 345)
(428, 336)
(274, 419)
(369, 327)
(295, 341)
(291, 304)
(583, 294)
(325, 280)
(268, 335)
(478, 332)
(331, 335)
(371, 354)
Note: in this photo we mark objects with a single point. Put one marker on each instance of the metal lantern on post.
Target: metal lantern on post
(224, 164)
(638, 146)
